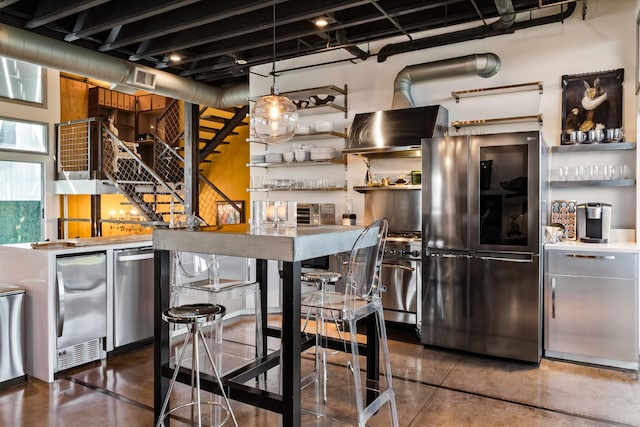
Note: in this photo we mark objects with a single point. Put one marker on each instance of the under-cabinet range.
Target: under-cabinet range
(481, 220)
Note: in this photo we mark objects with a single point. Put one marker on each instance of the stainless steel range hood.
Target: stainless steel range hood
(395, 130)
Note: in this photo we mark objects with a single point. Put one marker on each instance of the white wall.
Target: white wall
(603, 41)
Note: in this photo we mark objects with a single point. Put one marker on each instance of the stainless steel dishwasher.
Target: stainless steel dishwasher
(133, 295)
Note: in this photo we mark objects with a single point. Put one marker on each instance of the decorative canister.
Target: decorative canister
(416, 177)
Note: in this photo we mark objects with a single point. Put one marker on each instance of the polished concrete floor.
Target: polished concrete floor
(433, 388)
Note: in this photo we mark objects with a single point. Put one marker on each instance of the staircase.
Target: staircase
(157, 194)
(158, 191)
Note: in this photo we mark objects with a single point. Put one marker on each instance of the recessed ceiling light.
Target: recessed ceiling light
(321, 22)
(174, 57)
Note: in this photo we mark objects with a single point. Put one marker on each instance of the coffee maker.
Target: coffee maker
(594, 222)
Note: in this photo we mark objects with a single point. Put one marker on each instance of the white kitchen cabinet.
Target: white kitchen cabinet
(35, 271)
(591, 307)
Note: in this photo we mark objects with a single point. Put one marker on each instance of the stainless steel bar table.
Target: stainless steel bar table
(289, 245)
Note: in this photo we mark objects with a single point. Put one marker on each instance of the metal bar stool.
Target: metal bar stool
(194, 316)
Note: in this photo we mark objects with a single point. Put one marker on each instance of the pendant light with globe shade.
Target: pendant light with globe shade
(275, 118)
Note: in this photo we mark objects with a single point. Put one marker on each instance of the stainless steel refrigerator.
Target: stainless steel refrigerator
(481, 221)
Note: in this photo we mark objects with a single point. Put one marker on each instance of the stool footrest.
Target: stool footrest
(212, 405)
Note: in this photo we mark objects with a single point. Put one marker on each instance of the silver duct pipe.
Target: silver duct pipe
(36, 49)
(507, 14)
(484, 65)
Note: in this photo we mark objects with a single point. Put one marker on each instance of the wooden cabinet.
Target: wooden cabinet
(151, 102)
(106, 103)
(132, 115)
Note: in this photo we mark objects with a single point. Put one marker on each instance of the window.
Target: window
(23, 136)
(21, 81)
(21, 203)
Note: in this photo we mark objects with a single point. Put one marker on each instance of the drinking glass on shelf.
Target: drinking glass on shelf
(623, 171)
(594, 172)
(578, 172)
(564, 173)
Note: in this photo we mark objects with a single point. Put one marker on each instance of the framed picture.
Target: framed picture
(591, 101)
(227, 214)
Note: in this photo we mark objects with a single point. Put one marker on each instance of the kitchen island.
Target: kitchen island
(34, 267)
(289, 245)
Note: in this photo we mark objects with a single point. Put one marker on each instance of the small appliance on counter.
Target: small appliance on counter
(594, 222)
(316, 213)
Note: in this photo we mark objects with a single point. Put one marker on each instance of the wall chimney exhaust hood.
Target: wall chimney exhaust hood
(395, 130)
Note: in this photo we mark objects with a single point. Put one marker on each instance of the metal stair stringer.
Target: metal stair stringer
(133, 178)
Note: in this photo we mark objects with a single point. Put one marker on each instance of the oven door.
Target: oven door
(400, 280)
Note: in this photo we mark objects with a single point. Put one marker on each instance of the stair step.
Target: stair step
(155, 188)
(218, 119)
(213, 130)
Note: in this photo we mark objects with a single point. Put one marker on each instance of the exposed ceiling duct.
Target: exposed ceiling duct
(36, 49)
(484, 65)
(500, 27)
(352, 49)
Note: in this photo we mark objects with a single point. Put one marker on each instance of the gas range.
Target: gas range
(403, 246)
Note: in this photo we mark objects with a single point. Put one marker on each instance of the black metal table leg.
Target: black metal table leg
(291, 344)
(160, 329)
(261, 278)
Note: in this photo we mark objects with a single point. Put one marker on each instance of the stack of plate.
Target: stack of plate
(273, 157)
(258, 158)
(322, 153)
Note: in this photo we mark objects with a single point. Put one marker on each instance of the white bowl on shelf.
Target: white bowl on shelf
(303, 130)
(324, 126)
(300, 155)
(288, 156)
(322, 153)
(273, 157)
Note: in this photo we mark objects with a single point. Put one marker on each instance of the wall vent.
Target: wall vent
(143, 78)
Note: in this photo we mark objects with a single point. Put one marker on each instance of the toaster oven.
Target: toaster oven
(316, 213)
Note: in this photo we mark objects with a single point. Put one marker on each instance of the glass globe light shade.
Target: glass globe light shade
(274, 119)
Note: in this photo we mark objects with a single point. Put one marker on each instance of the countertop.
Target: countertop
(283, 244)
(81, 244)
(629, 247)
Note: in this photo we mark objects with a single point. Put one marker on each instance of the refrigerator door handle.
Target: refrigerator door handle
(609, 257)
(491, 258)
(553, 297)
(442, 255)
(60, 303)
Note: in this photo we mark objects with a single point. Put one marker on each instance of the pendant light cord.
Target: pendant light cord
(274, 89)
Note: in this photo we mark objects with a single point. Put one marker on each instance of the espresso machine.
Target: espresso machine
(594, 222)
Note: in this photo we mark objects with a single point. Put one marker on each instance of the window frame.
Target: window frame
(43, 194)
(43, 77)
(31, 122)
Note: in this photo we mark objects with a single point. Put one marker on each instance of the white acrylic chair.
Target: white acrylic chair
(360, 298)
